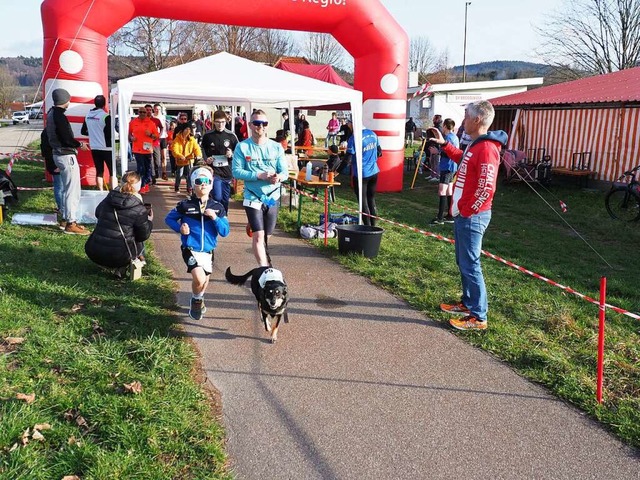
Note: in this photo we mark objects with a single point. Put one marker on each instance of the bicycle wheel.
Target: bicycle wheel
(623, 204)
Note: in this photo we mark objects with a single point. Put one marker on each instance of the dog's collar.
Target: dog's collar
(270, 275)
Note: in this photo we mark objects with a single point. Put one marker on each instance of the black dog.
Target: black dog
(270, 290)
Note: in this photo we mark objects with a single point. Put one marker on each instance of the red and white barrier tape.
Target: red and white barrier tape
(488, 254)
(19, 156)
(35, 188)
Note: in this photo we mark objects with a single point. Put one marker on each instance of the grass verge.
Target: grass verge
(544, 333)
(98, 365)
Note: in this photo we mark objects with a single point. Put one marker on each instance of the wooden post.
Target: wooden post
(415, 174)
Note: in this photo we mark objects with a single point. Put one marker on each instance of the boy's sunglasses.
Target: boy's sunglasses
(259, 123)
(202, 181)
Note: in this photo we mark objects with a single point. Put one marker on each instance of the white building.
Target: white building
(449, 99)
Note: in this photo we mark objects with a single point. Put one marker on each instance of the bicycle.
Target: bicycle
(623, 201)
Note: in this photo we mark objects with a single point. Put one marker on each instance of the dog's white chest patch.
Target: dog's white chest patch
(270, 275)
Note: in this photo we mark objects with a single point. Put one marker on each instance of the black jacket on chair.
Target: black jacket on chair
(106, 246)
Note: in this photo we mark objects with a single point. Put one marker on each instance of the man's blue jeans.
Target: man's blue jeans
(58, 192)
(143, 164)
(468, 235)
(222, 191)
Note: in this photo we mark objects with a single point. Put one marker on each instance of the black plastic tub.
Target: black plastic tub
(362, 239)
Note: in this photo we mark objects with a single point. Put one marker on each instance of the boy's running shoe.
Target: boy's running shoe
(468, 323)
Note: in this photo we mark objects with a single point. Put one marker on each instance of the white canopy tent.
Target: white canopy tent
(230, 80)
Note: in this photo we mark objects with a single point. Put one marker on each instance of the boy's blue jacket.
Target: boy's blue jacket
(204, 231)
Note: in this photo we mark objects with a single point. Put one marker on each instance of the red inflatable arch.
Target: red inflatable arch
(75, 53)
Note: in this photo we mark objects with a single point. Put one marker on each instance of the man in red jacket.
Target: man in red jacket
(473, 193)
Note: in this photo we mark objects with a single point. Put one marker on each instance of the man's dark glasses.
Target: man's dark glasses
(259, 123)
(202, 181)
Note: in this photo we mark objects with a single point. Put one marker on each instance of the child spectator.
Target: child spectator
(199, 220)
(334, 160)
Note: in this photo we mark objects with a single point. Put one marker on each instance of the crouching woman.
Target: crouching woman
(124, 223)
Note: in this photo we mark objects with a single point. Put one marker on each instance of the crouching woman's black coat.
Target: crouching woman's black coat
(105, 246)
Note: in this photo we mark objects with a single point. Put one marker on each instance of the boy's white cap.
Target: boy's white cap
(201, 172)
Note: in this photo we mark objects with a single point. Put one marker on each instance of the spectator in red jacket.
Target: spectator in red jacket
(471, 208)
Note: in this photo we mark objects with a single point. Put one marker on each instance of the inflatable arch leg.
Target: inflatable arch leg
(75, 55)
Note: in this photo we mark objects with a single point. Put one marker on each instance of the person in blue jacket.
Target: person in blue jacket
(199, 220)
(370, 152)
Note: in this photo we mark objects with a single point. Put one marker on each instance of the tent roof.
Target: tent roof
(326, 73)
(622, 86)
(226, 78)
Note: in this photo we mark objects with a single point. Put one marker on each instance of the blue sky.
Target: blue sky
(496, 29)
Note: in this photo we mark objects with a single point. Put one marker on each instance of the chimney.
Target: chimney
(413, 79)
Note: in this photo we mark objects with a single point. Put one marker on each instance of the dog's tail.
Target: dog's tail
(236, 279)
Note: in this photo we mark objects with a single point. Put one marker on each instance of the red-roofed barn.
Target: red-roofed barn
(599, 114)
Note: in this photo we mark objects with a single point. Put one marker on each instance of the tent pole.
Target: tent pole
(113, 107)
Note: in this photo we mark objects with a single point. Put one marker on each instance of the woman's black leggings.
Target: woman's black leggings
(368, 201)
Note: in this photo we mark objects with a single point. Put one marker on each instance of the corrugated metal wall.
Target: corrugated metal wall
(611, 135)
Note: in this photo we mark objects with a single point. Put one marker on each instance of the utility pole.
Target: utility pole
(464, 51)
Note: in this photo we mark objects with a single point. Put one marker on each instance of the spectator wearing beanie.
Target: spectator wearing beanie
(64, 147)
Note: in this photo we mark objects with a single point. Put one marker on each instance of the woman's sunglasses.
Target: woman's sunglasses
(259, 123)
(202, 181)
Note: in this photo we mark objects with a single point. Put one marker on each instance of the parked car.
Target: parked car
(20, 117)
(35, 113)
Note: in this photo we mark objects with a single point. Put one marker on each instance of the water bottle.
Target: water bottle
(325, 173)
(309, 171)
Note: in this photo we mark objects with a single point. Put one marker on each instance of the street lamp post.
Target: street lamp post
(464, 51)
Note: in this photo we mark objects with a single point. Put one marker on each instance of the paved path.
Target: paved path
(362, 386)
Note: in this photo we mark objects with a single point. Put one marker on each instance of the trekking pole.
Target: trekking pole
(415, 174)
(601, 322)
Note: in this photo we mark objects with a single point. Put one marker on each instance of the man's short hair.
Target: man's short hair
(219, 115)
(99, 101)
(148, 105)
(483, 110)
(257, 111)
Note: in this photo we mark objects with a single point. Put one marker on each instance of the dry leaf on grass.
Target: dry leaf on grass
(42, 426)
(27, 398)
(36, 435)
(133, 387)
(13, 447)
(97, 329)
(14, 340)
(71, 477)
(35, 243)
(81, 422)
(72, 441)
(77, 307)
(25, 437)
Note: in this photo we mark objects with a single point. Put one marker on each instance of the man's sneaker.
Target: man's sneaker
(145, 189)
(448, 219)
(434, 180)
(454, 308)
(73, 228)
(62, 224)
(468, 323)
(197, 308)
(436, 221)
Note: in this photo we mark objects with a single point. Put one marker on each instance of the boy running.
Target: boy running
(199, 220)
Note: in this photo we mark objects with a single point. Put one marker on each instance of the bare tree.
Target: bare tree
(323, 48)
(441, 73)
(8, 91)
(593, 36)
(422, 55)
(274, 44)
(161, 43)
(240, 41)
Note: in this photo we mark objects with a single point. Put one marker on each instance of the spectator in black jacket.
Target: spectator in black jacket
(124, 223)
(217, 148)
(64, 147)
